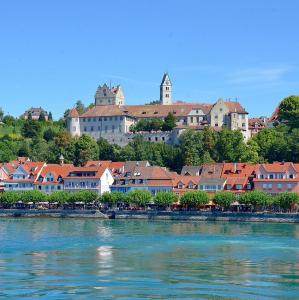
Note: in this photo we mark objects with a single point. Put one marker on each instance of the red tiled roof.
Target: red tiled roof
(235, 107)
(277, 167)
(73, 113)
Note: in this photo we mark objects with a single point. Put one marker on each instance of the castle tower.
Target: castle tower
(166, 90)
(106, 95)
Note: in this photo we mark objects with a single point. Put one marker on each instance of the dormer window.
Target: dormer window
(180, 186)
(190, 185)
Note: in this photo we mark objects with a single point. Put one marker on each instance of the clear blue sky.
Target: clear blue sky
(53, 53)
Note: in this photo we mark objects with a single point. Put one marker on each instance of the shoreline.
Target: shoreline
(155, 215)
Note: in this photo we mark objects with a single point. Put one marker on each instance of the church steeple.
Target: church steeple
(166, 90)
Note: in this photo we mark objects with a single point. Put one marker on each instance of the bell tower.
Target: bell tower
(166, 90)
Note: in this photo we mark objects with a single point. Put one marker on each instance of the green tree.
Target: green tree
(139, 198)
(86, 149)
(29, 117)
(50, 117)
(113, 198)
(165, 199)
(1, 114)
(257, 199)
(169, 122)
(8, 199)
(42, 117)
(60, 197)
(289, 111)
(83, 196)
(31, 129)
(49, 134)
(33, 196)
(286, 200)
(80, 107)
(107, 151)
(194, 199)
(224, 199)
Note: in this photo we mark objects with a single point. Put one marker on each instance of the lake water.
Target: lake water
(92, 259)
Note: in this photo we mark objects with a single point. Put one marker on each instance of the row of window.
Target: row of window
(277, 176)
(81, 184)
(279, 186)
(106, 128)
(116, 118)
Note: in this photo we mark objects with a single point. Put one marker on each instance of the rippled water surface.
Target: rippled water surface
(91, 259)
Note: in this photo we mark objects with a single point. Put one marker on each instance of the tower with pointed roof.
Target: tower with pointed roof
(166, 90)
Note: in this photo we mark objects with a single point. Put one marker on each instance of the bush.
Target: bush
(139, 198)
(165, 199)
(224, 199)
(286, 200)
(194, 199)
(113, 198)
(8, 199)
(60, 197)
(83, 196)
(256, 199)
(33, 196)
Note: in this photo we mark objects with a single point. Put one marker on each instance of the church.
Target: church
(111, 118)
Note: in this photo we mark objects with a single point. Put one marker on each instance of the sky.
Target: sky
(53, 53)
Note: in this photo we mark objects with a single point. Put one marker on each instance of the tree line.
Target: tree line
(47, 140)
(140, 199)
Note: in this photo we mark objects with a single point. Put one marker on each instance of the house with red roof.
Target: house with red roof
(24, 177)
(51, 177)
(238, 176)
(277, 177)
(150, 178)
(92, 177)
(185, 183)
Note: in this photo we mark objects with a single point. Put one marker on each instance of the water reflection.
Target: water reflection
(90, 259)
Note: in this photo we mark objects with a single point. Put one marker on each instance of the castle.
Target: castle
(111, 118)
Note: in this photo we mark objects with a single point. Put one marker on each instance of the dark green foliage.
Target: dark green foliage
(257, 199)
(194, 199)
(60, 197)
(113, 198)
(42, 117)
(83, 196)
(50, 117)
(286, 200)
(31, 129)
(224, 199)
(33, 196)
(289, 111)
(139, 198)
(165, 199)
(9, 198)
(86, 148)
(169, 122)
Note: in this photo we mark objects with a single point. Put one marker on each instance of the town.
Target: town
(160, 147)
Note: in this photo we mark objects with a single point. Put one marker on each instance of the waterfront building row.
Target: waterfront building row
(107, 176)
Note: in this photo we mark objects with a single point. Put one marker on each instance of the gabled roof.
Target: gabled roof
(238, 170)
(73, 113)
(235, 107)
(278, 167)
(97, 172)
(56, 170)
(185, 180)
(191, 170)
(212, 170)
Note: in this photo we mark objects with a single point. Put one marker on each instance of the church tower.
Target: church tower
(166, 90)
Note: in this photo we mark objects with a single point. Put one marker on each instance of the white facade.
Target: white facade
(109, 96)
(166, 90)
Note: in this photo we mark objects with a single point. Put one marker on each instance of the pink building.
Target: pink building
(277, 177)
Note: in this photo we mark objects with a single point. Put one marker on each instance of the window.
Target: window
(243, 117)
(248, 186)
(243, 124)
(167, 88)
(83, 119)
(163, 138)
(269, 186)
(100, 119)
(271, 176)
(228, 186)
(238, 186)
(110, 118)
(264, 186)
(105, 119)
(156, 138)
(280, 176)
(279, 186)
(221, 109)
(149, 139)
(166, 95)
(94, 119)
(115, 118)
(216, 116)
(120, 118)
(292, 176)
(180, 185)
(216, 124)
(91, 128)
(88, 119)
(289, 186)
(191, 119)
(85, 128)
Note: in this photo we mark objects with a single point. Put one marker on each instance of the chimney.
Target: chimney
(235, 167)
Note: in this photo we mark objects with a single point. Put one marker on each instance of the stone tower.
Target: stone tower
(166, 90)
(106, 95)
